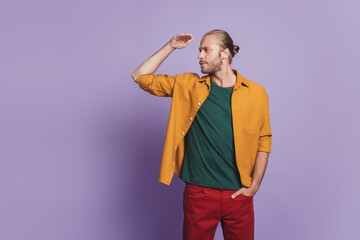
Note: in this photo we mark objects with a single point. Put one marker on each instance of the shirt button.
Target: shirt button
(173, 163)
(183, 133)
(175, 147)
(199, 103)
(191, 118)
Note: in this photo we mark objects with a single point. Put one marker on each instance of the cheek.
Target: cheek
(212, 59)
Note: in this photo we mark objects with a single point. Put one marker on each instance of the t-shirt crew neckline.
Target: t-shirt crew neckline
(212, 82)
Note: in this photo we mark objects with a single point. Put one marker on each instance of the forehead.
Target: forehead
(209, 41)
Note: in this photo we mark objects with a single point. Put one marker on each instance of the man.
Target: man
(218, 137)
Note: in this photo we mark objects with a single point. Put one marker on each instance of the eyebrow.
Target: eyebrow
(205, 47)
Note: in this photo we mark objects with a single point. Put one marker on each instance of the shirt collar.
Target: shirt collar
(240, 80)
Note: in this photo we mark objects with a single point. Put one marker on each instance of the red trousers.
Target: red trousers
(204, 207)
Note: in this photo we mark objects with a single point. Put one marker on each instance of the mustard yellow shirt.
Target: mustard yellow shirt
(250, 113)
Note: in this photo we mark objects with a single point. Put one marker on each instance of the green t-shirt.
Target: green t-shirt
(209, 158)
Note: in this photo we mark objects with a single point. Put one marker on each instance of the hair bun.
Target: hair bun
(235, 50)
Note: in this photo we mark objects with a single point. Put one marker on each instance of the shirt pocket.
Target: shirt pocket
(251, 117)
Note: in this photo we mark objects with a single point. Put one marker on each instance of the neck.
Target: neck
(225, 77)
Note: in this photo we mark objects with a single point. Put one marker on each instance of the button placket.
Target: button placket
(174, 152)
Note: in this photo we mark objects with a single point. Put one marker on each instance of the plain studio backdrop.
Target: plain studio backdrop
(81, 143)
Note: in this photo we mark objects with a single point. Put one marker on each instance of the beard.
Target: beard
(213, 66)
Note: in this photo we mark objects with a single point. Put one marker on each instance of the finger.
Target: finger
(188, 38)
(185, 38)
(237, 193)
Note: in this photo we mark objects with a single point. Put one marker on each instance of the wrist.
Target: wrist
(255, 186)
(168, 43)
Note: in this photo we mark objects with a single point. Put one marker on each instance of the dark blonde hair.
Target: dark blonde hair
(225, 41)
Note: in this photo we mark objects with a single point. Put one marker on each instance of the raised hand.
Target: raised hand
(181, 40)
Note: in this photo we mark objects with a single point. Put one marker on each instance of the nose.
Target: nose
(200, 56)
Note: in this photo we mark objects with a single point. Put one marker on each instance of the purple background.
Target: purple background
(81, 143)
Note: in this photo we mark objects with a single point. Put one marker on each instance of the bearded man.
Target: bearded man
(218, 137)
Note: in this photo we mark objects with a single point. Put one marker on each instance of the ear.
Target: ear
(225, 53)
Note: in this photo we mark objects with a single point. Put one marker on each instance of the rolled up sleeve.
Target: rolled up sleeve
(161, 85)
(265, 136)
